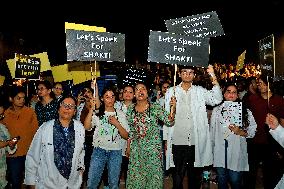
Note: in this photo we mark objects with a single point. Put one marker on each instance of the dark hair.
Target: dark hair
(250, 79)
(164, 82)
(85, 88)
(245, 120)
(186, 67)
(46, 83)
(102, 107)
(48, 86)
(58, 83)
(143, 83)
(267, 79)
(131, 86)
(15, 90)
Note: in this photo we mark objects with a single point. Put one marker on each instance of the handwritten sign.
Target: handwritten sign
(27, 67)
(99, 46)
(231, 113)
(266, 55)
(178, 49)
(200, 25)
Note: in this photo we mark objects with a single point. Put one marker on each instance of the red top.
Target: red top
(260, 108)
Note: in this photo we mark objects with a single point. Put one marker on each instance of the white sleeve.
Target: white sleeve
(213, 96)
(168, 96)
(278, 134)
(95, 121)
(165, 132)
(82, 153)
(212, 126)
(123, 121)
(33, 158)
(252, 125)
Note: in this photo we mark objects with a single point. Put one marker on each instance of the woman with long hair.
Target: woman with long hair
(229, 129)
(110, 126)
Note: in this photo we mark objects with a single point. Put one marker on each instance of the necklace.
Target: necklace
(141, 119)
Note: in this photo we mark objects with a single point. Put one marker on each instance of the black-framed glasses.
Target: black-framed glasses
(68, 106)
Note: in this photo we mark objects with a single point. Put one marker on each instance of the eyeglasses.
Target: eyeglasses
(184, 72)
(68, 106)
(58, 88)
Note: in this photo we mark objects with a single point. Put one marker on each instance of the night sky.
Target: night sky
(244, 24)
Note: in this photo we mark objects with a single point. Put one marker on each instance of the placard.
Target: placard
(95, 46)
(231, 113)
(178, 49)
(200, 25)
(74, 26)
(266, 55)
(44, 63)
(27, 67)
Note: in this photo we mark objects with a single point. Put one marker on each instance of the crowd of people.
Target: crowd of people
(142, 134)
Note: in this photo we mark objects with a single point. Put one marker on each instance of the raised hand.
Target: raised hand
(271, 121)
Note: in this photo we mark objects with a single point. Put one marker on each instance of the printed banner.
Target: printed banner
(95, 46)
(178, 49)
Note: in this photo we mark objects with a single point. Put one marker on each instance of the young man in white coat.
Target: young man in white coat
(189, 144)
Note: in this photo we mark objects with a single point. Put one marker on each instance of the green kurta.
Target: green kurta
(145, 163)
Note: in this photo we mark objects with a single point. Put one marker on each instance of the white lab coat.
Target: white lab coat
(278, 135)
(202, 140)
(237, 156)
(40, 169)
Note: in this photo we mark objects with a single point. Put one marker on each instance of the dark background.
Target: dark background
(34, 30)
